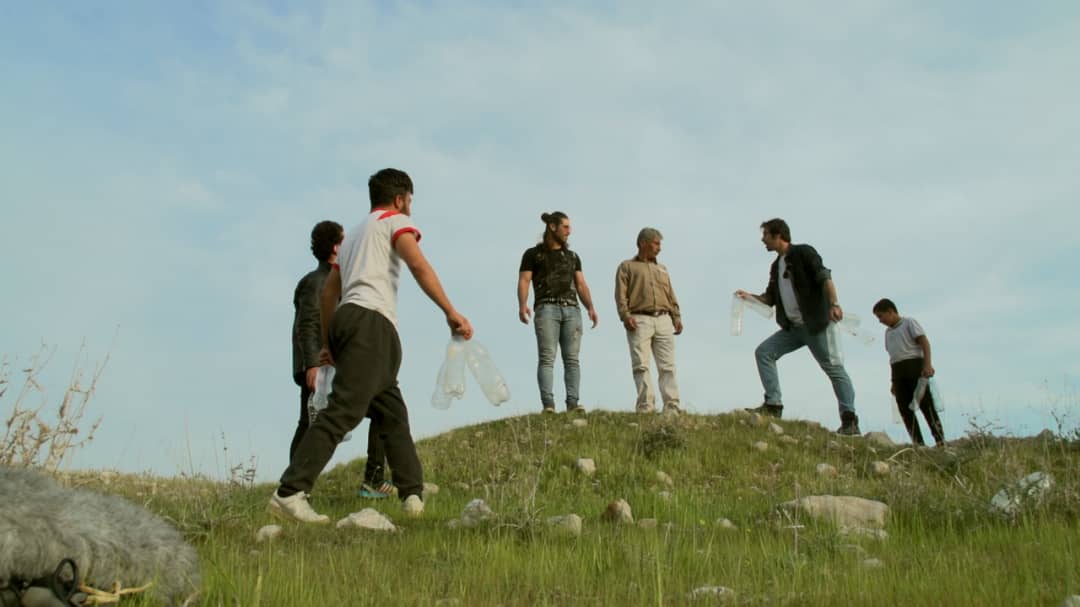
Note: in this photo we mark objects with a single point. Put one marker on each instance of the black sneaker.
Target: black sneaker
(849, 424)
(770, 410)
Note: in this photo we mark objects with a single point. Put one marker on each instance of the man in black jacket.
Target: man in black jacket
(802, 290)
(326, 237)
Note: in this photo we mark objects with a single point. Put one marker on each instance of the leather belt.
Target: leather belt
(651, 313)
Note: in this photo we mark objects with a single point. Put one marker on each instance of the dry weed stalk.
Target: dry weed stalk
(29, 440)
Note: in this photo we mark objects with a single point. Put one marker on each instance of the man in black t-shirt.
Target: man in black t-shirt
(558, 282)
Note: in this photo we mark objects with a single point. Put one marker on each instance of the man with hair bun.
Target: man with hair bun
(558, 283)
(650, 314)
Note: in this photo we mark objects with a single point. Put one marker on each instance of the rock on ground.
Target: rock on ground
(475, 512)
(843, 510)
(824, 469)
(776, 428)
(368, 518)
(267, 533)
(712, 592)
(569, 524)
(618, 511)
(880, 468)
(579, 423)
(880, 439)
(1029, 490)
(586, 466)
(663, 478)
(761, 446)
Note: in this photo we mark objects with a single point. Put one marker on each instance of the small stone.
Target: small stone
(368, 518)
(461, 486)
(579, 422)
(430, 489)
(586, 466)
(268, 533)
(835, 445)
(880, 439)
(664, 479)
(618, 511)
(776, 428)
(632, 424)
(1029, 490)
(761, 446)
(1071, 601)
(252, 552)
(647, 523)
(789, 440)
(872, 564)
(713, 592)
(843, 510)
(725, 523)
(664, 495)
(824, 469)
(475, 512)
(880, 468)
(756, 420)
(569, 524)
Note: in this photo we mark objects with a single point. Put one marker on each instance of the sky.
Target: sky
(164, 164)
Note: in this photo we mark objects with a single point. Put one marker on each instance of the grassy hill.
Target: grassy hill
(944, 546)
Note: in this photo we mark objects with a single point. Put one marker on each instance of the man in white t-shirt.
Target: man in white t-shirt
(909, 359)
(359, 336)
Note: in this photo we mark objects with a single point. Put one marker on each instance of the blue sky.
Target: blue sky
(164, 165)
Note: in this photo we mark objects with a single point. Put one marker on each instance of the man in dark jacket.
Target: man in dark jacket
(802, 290)
(326, 237)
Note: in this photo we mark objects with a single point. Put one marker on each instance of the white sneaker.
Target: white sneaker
(295, 508)
(413, 506)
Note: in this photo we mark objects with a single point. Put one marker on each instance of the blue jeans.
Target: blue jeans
(558, 327)
(827, 357)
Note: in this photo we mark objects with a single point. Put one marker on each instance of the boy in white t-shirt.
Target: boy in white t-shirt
(359, 336)
(909, 358)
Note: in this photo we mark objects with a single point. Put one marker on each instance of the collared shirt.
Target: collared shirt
(644, 287)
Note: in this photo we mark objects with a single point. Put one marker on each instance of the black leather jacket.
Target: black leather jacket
(306, 328)
(808, 276)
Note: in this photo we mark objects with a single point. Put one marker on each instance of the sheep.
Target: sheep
(111, 540)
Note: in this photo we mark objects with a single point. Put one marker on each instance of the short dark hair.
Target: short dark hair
(884, 305)
(324, 236)
(554, 218)
(387, 184)
(777, 227)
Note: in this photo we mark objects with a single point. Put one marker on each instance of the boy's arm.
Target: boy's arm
(585, 296)
(330, 296)
(408, 249)
(927, 366)
(524, 278)
(836, 313)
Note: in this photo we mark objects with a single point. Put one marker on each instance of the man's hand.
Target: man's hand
(524, 313)
(743, 294)
(459, 325)
(927, 370)
(836, 313)
(678, 327)
(593, 317)
(325, 358)
(630, 323)
(312, 373)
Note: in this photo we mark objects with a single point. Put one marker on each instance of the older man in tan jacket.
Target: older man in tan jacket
(650, 312)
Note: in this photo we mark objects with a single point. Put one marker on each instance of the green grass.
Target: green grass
(944, 546)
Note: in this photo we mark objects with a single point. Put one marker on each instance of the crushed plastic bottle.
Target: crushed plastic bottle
(739, 305)
(324, 381)
(450, 383)
(486, 374)
(924, 384)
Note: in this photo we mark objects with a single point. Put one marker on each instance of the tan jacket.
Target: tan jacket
(644, 288)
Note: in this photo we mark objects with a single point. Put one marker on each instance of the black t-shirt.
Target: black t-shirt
(552, 274)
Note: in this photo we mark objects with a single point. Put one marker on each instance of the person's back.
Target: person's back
(370, 266)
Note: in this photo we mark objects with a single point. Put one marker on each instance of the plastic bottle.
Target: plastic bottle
(450, 383)
(324, 381)
(739, 305)
(486, 374)
(851, 324)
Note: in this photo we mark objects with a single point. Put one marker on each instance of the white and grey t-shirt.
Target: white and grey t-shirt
(370, 265)
(787, 295)
(900, 340)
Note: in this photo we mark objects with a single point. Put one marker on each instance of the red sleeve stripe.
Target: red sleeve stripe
(393, 239)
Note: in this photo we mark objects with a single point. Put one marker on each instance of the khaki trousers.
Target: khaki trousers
(654, 335)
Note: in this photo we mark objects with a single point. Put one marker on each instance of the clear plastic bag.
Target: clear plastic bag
(851, 324)
(324, 381)
(450, 383)
(486, 374)
(924, 384)
(739, 305)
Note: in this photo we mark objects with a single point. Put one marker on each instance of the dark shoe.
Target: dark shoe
(575, 409)
(849, 424)
(776, 411)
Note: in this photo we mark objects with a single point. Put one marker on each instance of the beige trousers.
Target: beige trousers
(655, 335)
